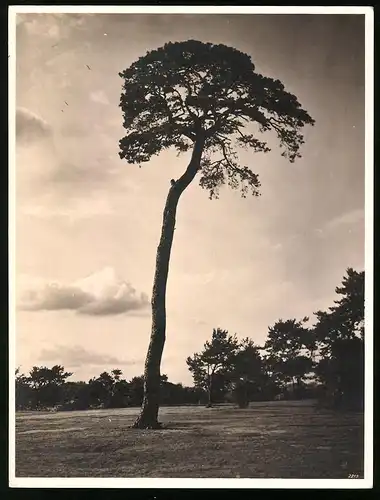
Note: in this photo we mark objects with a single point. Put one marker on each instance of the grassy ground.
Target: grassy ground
(268, 440)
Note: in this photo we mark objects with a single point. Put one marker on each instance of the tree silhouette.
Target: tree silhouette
(23, 392)
(287, 344)
(109, 389)
(198, 97)
(340, 333)
(76, 396)
(246, 372)
(136, 388)
(216, 357)
(344, 320)
(47, 384)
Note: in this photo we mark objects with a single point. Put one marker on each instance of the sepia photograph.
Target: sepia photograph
(191, 246)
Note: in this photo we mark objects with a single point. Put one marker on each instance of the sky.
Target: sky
(88, 223)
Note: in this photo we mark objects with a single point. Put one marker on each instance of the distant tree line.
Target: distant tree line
(324, 361)
(47, 388)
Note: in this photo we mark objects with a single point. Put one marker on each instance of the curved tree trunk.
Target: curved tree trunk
(148, 418)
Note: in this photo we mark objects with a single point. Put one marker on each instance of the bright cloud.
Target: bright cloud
(349, 218)
(100, 294)
(99, 96)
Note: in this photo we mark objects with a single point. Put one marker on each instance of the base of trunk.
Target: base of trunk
(146, 423)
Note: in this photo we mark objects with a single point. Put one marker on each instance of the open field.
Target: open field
(267, 440)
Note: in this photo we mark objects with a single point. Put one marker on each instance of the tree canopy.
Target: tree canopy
(177, 93)
(345, 319)
(216, 356)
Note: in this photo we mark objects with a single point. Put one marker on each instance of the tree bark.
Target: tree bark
(209, 403)
(148, 418)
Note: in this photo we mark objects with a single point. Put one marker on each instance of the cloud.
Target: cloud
(77, 356)
(99, 96)
(49, 25)
(76, 210)
(29, 126)
(200, 322)
(69, 174)
(100, 294)
(51, 188)
(349, 218)
(72, 129)
(53, 297)
(41, 24)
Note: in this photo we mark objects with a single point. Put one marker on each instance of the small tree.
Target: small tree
(109, 389)
(47, 384)
(76, 396)
(23, 391)
(286, 345)
(198, 97)
(216, 357)
(136, 388)
(246, 372)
